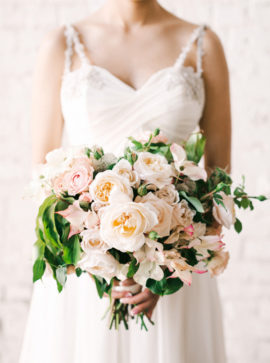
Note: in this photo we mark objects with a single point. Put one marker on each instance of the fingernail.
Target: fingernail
(123, 300)
(134, 312)
(128, 294)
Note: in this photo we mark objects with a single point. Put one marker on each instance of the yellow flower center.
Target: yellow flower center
(125, 223)
(103, 191)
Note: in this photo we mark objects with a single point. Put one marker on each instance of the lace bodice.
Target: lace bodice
(99, 108)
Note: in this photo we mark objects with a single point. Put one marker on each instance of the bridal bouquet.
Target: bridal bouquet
(152, 215)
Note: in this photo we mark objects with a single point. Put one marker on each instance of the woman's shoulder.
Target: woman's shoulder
(52, 45)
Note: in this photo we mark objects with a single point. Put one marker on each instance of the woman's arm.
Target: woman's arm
(216, 120)
(46, 115)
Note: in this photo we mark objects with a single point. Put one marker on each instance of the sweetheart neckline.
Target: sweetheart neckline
(90, 66)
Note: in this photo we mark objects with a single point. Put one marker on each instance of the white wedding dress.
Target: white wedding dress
(99, 108)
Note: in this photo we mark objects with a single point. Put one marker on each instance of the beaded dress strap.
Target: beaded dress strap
(72, 37)
(197, 35)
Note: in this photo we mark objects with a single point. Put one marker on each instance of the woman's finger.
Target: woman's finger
(120, 294)
(138, 298)
(128, 282)
(144, 307)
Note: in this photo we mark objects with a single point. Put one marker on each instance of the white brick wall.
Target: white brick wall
(244, 28)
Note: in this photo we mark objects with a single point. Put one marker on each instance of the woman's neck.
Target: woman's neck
(130, 13)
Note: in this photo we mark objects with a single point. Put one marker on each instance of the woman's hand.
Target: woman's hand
(122, 294)
(145, 300)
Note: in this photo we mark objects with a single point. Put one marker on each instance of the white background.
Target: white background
(244, 27)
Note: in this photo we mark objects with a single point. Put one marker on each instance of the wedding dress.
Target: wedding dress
(99, 108)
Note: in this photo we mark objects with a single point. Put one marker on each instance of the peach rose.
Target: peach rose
(164, 213)
(218, 263)
(182, 215)
(123, 226)
(169, 194)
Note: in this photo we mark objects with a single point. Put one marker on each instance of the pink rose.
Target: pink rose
(80, 176)
(85, 197)
(59, 185)
(144, 137)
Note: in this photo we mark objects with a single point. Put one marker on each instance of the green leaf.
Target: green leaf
(238, 225)
(101, 285)
(61, 275)
(142, 190)
(59, 286)
(153, 235)
(138, 145)
(38, 269)
(166, 286)
(50, 231)
(195, 147)
(72, 250)
(39, 224)
(39, 247)
(245, 203)
(190, 256)
(133, 268)
(78, 271)
(156, 132)
(261, 198)
(193, 201)
(87, 152)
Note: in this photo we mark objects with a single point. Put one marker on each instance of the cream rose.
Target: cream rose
(108, 184)
(169, 194)
(101, 264)
(164, 213)
(124, 168)
(225, 216)
(182, 215)
(153, 168)
(91, 240)
(122, 226)
(218, 263)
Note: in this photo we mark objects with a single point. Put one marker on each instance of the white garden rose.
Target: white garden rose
(101, 264)
(91, 240)
(164, 213)
(124, 168)
(225, 216)
(153, 168)
(168, 193)
(122, 226)
(107, 185)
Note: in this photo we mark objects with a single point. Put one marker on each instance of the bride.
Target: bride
(129, 66)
